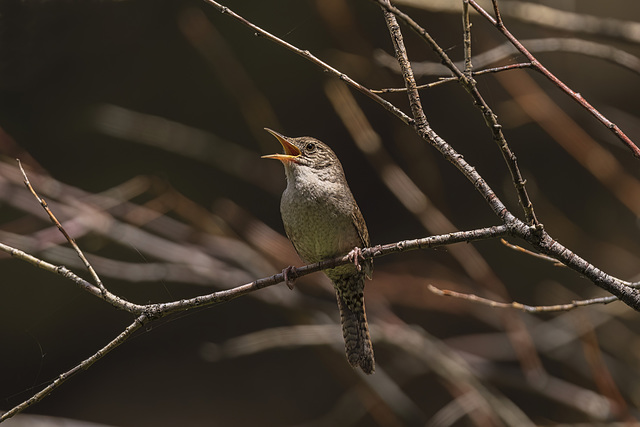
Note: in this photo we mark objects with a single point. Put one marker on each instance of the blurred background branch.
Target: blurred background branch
(146, 128)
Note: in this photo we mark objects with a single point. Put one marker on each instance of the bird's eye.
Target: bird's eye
(310, 147)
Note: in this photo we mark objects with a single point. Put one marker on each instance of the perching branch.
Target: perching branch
(539, 238)
(528, 230)
(151, 312)
(154, 311)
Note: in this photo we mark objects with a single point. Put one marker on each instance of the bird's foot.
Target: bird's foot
(289, 281)
(355, 256)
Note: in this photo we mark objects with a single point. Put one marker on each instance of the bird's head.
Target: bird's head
(304, 151)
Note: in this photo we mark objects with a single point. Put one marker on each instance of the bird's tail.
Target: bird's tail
(355, 330)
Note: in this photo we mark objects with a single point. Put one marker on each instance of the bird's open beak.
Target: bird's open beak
(290, 150)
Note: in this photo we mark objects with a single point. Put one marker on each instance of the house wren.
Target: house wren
(323, 221)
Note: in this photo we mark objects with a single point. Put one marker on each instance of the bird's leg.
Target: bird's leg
(286, 272)
(355, 256)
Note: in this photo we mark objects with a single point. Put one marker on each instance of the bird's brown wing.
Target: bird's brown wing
(363, 233)
(286, 230)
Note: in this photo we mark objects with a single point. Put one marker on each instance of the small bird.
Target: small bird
(323, 221)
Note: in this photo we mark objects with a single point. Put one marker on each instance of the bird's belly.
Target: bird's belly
(318, 230)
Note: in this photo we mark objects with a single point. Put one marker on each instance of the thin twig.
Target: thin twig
(533, 254)
(311, 57)
(559, 83)
(466, 28)
(533, 234)
(519, 306)
(496, 10)
(539, 238)
(155, 310)
(426, 133)
(506, 50)
(150, 312)
(574, 138)
(82, 366)
(541, 15)
(53, 218)
(372, 252)
(61, 270)
(421, 124)
(489, 117)
(432, 219)
(455, 79)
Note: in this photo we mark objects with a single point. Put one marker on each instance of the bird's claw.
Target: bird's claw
(355, 256)
(286, 272)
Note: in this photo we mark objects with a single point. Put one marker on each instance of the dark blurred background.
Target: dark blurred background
(141, 122)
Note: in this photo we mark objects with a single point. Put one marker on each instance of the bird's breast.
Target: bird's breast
(318, 219)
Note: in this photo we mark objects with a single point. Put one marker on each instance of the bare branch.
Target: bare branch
(545, 17)
(559, 83)
(310, 57)
(519, 306)
(425, 132)
(507, 51)
(489, 117)
(549, 246)
(82, 366)
(496, 10)
(533, 254)
(454, 79)
(162, 309)
(463, 383)
(72, 242)
(466, 27)
(60, 270)
(421, 125)
(151, 312)
(534, 235)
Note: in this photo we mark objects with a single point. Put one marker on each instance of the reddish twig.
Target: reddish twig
(549, 75)
(491, 120)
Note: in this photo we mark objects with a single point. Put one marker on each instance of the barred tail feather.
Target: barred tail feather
(357, 341)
